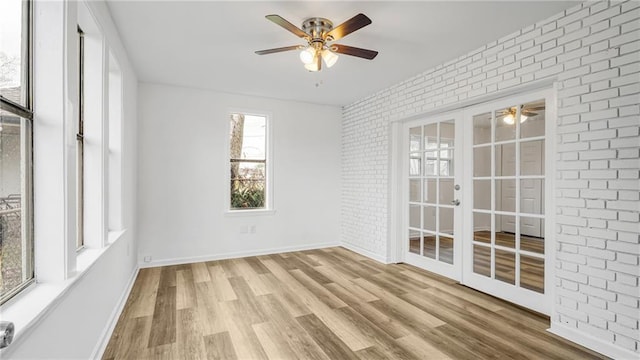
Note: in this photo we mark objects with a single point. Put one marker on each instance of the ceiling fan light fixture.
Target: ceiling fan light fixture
(510, 118)
(312, 66)
(330, 58)
(308, 55)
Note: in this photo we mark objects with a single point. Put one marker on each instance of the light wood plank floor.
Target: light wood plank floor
(322, 304)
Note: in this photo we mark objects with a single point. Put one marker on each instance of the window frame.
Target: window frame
(268, 209)
(80, 146)
(25, 112)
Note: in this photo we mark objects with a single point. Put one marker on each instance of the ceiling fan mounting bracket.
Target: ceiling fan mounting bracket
(317, 28)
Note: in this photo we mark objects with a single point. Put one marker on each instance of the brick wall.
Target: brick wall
(592, 50)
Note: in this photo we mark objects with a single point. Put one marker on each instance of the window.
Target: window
(249, 175)
(16, 116)
(80, 146)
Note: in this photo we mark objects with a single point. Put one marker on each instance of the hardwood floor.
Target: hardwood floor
(322, 304)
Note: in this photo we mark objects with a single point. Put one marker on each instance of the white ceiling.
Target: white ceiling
(211, 44)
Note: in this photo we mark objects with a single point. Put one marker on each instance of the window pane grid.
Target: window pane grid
(514, 183)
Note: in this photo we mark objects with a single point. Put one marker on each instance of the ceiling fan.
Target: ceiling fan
(526, 111)
(319, 32)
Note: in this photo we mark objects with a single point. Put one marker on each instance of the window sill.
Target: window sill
(258, 212)
(27, 308)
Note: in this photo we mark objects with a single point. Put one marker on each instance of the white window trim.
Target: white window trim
(269, 208)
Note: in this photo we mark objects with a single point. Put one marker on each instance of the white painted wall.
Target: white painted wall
(590, 52)
(76, 322)
(183, 167)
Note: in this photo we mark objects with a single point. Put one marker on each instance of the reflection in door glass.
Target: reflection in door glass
(414, 216)
(505, 195)
(506, 233)
(506, 160)
(431, 136)
(482, 194)
(506, 266)
(429, 221)
(482, 260)
(430, 190)
(534, 115)
(532, 157)
(414, 241)
(415, 138)
(414, 164)
(429, 249)
(482, 161)
(506, 124)
(482, 227)
(532, 273)
(445, 253)
(446, 191)
(414, 190)
(482, 129)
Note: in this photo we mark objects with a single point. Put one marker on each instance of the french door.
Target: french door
(433, 177)
(505, 248)
(494, 237)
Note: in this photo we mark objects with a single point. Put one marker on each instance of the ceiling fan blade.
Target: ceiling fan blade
(357, 22)
(354, 51)
(277, 50)
(287, 25)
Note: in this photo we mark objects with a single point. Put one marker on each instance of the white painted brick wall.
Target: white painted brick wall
(593, 51)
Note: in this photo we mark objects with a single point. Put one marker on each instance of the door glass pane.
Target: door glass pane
(447, 133)
(415, 139)
(532, 157)
(446, 191)
(505, 235)
(482, 260)
(415, 162)
(482, 161)
(482, 194)
(414, 216)
(414, 241)
(506, 266)
(505, 124)
(429, 218)
(531, 226)
(446, 220)
(532, 196)
(446, 162)
(506, 195)
(414, 190)
(430, 190)
(482, 227)
(446, 249)
(532, 243)
(532, 273)
(429, 245)
(533, 116)
(506, 160)
(431, 136)
(482, 129)
(430, 165)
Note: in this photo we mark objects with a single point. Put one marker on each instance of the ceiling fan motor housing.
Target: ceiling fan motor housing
(317, 28)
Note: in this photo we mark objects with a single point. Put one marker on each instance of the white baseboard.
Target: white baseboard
(113, 319)
(367, 253)
(234, 255)
(592, 342)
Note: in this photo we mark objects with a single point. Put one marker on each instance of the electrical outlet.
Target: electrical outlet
(252, 229)
(147, 259)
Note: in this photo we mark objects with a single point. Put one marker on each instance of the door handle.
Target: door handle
(455, 202)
